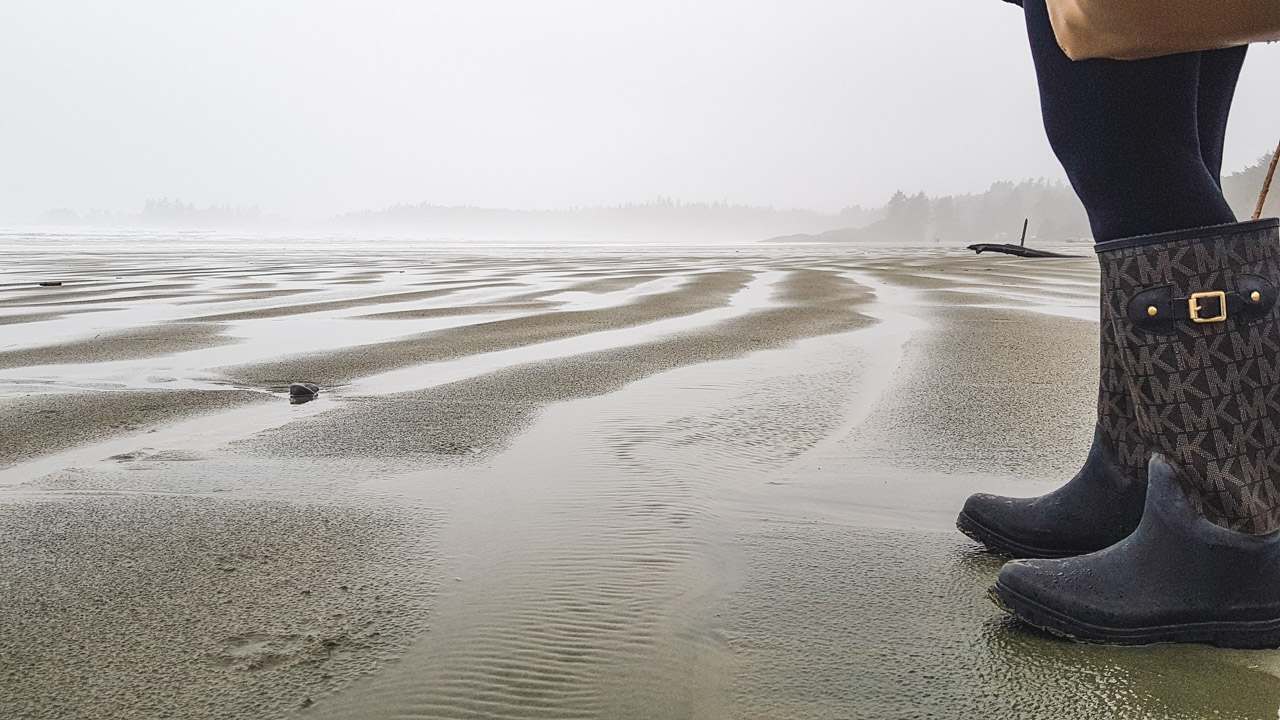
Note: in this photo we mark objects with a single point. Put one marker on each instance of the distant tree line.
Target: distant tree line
(1056, 215)
(166, 212)
(1241, 190)
(1053, 212)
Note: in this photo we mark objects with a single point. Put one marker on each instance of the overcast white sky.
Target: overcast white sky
(311, 109)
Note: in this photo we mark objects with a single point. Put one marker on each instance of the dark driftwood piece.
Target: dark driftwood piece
(1021, 249)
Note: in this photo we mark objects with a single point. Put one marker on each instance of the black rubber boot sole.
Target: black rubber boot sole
(1001, 545)
(1241, 635)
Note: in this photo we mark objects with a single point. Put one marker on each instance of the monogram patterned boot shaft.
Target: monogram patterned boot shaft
(1196, 330)
(1117, 423)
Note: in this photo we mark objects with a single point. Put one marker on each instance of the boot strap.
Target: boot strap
(1157, 310)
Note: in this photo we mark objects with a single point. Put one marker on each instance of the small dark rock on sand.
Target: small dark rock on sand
(303, 391)
(51, 283)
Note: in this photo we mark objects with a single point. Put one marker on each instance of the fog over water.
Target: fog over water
(314, 109)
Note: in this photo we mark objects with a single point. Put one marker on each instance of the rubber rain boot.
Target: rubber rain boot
(1098, 507)
(1195, 318)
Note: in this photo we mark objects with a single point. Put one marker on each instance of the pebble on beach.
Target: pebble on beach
(303, 390)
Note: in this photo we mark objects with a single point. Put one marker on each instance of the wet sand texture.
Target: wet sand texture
(740, 514)
(701, 293)
(606, 615)
(477, 416)
(302, 308)
(156, 341)
(28, 317)
(874, 620)
(37, 425)
(1002, 386)
(152, 606)
(250, 295)
(81, 295)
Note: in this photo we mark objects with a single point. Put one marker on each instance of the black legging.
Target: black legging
(1141, 140)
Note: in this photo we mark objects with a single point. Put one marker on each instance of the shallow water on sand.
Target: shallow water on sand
(572, 482)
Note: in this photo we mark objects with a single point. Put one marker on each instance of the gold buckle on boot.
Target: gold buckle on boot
(1193, 306)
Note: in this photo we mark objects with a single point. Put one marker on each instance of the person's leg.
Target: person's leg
(1189, 300)
(1142, 143)
(1219, 71)
(1127, 134)
(1092, 112)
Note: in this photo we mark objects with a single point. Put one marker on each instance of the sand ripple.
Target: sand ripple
(546, 485)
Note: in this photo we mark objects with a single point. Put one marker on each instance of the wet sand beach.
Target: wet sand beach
(543, 483)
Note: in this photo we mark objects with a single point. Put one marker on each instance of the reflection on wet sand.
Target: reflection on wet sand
(544, 483)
